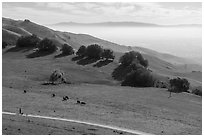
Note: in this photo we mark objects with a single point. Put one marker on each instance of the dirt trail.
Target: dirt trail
(81, 122)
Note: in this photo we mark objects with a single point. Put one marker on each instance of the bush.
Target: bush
(81, 51)
(197, 91)
(133, 57)
(179, 85)
(28, 41)
(94, 51)
(57, 75)
(108, 54)
(67, 50)
(139, 78)
(4, 44)
(46, 45)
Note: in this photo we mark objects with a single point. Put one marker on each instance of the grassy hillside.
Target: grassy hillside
(76, 40)
(145, 109)
(158, 62)
(9, 36)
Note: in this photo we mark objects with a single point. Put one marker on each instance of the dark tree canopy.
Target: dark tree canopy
(46, 45)
(81, 51)
(139, 77)
(28, 41)
(108, 54)
(67, 50)
(179, 85)
(127, 58)
(132, 56)
(141, 60)
(94, 51)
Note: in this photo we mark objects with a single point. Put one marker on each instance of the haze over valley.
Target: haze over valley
(182, 41)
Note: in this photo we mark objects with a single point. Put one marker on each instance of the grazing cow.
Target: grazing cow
(65, 98)
(53, 95)
(78, 102)
(83, 103)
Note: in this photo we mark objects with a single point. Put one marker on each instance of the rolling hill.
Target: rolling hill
(164, 64)
(146, 109)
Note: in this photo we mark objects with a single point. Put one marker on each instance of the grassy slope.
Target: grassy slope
(9, 37)
(17, 30)
(76, 40)
(145, 109)
(17, 125)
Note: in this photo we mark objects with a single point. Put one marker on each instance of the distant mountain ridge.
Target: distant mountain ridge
(122, 24)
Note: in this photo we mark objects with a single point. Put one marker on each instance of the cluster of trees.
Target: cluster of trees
(92, 51)
(95, 51)
(44, 45)
(133, 67)
(28, 41)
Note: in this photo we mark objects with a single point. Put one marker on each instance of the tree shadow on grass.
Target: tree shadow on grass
(61, 55)
(86, 61)
(77, 58)
(102, 63)
(17, 49)
(39, 54)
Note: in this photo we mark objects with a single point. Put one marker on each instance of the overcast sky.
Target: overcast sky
(159, 13)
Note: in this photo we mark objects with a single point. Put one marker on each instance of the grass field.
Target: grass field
(144, 109)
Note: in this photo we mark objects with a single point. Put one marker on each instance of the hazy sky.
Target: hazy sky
(159, 13)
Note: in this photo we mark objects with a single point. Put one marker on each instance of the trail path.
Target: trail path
(80, 122)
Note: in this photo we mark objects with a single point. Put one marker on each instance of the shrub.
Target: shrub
(28, 41)
(139, 77)
(46, 45)
(179, 85)
(4, 44)
(94, 51)
(67, 50)
(160, 84)
(81, 51)
(57, 75)
(108, 54)
(197, 91)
